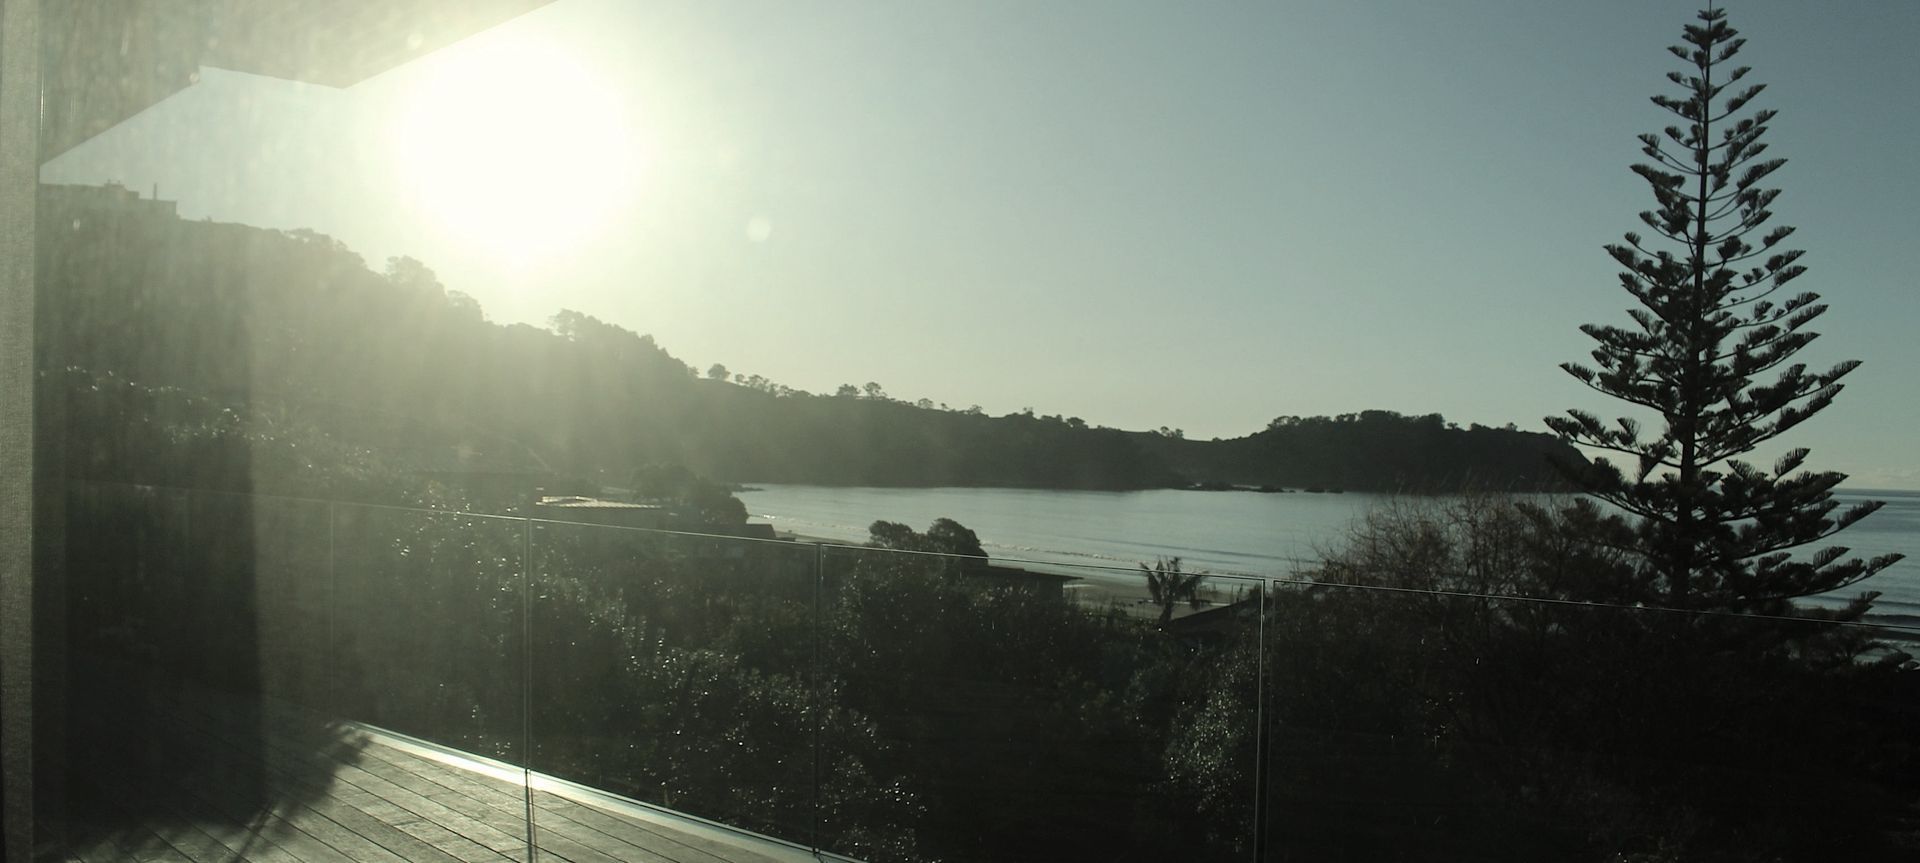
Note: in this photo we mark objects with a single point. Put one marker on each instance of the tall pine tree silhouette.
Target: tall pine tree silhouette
(1714, 324)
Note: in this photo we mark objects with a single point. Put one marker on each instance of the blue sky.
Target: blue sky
(1144, 214)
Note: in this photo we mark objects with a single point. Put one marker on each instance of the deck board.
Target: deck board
(571, 838)
(200, 829)
(452, 836)
(196, 844)
(342, 793)
(311, 824)
(676, 846)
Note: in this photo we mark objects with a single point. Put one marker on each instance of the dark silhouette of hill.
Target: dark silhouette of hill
(294, 330)
(1371, 450)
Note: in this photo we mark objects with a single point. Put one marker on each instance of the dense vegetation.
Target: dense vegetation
(1372, 450)
(1436, 720)
(894, 706)
(291, 330)
(886, 705)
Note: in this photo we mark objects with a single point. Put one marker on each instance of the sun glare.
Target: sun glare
(515, 149)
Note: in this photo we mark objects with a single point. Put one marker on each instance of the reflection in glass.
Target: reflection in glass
(429, 633)
(676, 670)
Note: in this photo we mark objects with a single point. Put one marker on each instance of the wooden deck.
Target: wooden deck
(369, 795)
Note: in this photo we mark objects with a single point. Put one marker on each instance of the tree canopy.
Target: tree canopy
(1709, 353)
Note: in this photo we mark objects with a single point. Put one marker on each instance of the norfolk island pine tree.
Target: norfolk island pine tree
(1714, 321)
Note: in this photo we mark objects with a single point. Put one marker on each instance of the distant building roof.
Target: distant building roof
(1019, 572)
(1216, 620)
(108, 196)
(577, 502)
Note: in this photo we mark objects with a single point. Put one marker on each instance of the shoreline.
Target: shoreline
(1103, 585)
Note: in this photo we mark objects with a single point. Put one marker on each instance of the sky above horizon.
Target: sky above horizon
(1142, 214)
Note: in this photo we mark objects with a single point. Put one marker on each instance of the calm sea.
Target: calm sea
(1226, 533)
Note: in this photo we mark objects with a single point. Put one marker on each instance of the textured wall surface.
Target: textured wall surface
(19, 148)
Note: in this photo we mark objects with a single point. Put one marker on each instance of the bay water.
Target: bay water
(1100, 535)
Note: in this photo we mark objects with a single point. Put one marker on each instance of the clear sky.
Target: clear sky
(1199, 215)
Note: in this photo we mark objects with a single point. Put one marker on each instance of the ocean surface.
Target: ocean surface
(1225, 533)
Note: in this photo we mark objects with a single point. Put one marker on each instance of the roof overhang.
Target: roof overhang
(104, 61)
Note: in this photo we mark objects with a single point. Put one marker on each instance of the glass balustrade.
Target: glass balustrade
(674, 670)
(986, 711)
(296, 672)
(1414, 724)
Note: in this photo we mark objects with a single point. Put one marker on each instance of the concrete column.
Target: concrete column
(19, 177)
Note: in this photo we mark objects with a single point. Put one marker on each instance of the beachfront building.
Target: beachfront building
(593, 510)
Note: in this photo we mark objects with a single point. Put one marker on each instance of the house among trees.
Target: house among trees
(109, 198)
(593, 510)
(1051, 585)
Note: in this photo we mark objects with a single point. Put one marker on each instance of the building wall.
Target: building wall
(19, 148)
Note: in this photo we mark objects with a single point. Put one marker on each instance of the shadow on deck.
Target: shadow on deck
(345, 792)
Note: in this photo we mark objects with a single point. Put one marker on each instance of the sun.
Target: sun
(515, 149)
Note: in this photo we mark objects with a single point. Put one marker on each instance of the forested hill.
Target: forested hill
(1371, 450)
(292, 329)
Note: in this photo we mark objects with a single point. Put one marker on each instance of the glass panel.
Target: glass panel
(429, 670)
(995, 712)
(293, 593)
(673, 670)
(210, 710)
(429, 632)
(1421, 726)
(129, 657)
(166, 715)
